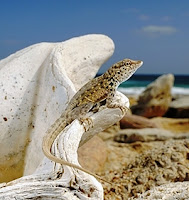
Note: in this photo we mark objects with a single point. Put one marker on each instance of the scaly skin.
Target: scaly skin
(86, 100)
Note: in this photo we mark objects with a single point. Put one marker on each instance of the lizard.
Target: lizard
(86, 100)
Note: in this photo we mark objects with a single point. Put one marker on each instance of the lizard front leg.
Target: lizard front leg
(87, 123)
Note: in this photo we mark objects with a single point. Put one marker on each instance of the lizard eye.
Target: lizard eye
(127, 63)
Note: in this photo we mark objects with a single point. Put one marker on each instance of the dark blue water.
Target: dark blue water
(143, 80)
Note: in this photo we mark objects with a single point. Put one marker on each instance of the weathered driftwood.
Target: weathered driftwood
(54, 181)
(36, 84)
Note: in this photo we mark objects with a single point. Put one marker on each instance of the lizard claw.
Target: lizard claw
(87, 123)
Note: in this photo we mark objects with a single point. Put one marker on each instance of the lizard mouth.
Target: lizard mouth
(138, 63)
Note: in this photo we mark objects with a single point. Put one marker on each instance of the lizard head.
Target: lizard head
(124, 69)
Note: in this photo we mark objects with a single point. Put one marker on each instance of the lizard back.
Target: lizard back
(96, 90)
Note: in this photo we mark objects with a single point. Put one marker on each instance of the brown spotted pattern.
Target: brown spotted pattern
(108, 82)
(87, 98)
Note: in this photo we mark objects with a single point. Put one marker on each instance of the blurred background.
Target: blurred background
(156, 32)
(150, 146)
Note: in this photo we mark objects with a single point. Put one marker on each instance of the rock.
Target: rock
(155, 99)
(173, 125)
(132, 98)
(93, 154)
(178, 190)
(179, 108)
(120, 154)
(143, 135)
(161, 163)
(110, 132)
(36, 84)
(135, 121)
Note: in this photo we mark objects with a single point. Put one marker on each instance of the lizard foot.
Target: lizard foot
(123, 109)
(87, 123)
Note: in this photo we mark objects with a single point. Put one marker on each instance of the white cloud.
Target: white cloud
(158, 30)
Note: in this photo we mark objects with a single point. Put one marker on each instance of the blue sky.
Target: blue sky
(156, 32)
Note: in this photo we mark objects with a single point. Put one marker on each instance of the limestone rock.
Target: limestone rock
(173, 125)
(179, 108)
(136, 122)
(163, 163)
(143, 135)
(179, 190)
(110, 132)
(119, 155)
(155, 99)
(93, 154)
(36, 84)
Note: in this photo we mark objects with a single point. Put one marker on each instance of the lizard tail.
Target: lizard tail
(62, 162)
(48, 140)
